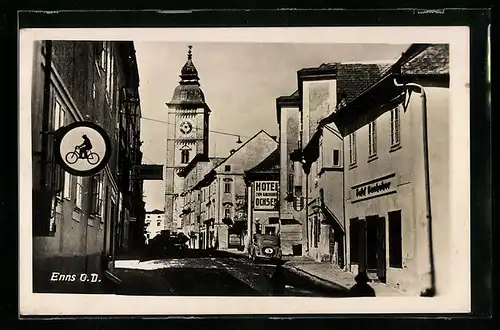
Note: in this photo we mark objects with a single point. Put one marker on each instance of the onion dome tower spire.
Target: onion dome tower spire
(188, 91)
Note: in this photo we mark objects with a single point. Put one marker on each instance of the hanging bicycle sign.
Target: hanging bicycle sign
(82, 148)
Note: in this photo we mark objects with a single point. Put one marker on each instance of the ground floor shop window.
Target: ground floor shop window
(395, 240)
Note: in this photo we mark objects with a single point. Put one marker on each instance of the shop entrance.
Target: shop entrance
(375, 248)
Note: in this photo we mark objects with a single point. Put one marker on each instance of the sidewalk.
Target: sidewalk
(329, 273)
(332, 273)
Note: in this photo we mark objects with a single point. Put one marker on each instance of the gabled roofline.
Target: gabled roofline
(244, 144)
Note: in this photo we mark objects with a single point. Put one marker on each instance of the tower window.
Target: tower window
(227, 187)
(184, 156)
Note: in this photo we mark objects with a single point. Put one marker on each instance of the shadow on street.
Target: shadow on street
(218, 273)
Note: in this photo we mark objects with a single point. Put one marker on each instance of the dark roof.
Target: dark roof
(417, 61)
(270, 165)
(435, 59)
(155, 211)
(354, 78)
(325, 69)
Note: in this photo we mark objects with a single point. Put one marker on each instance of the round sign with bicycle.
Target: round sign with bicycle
(83, 148)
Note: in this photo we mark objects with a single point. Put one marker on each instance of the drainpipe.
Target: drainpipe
(344, 235)
(306, 220)
(428, 288)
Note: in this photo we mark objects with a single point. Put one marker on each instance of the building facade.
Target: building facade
(225, 196)
(76, 220)
(288, 115)
(324, 228)
(214, 209)
(263, 189)
(154, 224)
(393, 174)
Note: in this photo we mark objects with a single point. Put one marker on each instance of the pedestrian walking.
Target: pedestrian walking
(362, 288)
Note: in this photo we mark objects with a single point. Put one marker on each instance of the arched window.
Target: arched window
(184, 156)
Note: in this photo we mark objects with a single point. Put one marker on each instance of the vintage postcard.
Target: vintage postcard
(244, 171)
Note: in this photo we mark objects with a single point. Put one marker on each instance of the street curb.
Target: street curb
(316, 279)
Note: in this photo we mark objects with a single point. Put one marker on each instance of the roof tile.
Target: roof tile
(435, 59)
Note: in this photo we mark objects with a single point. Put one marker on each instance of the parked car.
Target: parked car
(265, 247)
(168, 242)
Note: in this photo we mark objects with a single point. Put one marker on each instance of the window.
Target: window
(395, 240)
(317, 229)
(184, 156)
(97, 206)
(290, 183)
(354, 239)
(79, 192)
(68, 183)
(395, 127)
(227, 187)
(352, 148)
(336, 157)
(372, 139)
(227, 168)
(93, 90)
(227, 212)
(158, 223)
(59, 115)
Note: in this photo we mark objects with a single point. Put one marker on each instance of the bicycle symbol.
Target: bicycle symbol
(73, 156)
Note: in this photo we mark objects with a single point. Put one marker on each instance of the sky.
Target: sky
(241, 82)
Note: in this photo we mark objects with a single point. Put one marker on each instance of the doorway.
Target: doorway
(375, 248)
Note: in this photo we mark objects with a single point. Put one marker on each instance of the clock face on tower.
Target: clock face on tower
(186, 127)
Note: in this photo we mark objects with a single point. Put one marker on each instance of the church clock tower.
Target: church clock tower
(187, 137)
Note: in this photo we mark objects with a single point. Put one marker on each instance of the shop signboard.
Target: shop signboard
(266, 195)
(374, 188)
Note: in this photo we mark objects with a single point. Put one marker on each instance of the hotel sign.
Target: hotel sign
(266, 195)
(373, 188)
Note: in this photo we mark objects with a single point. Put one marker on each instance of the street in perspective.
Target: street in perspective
(240, 169)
